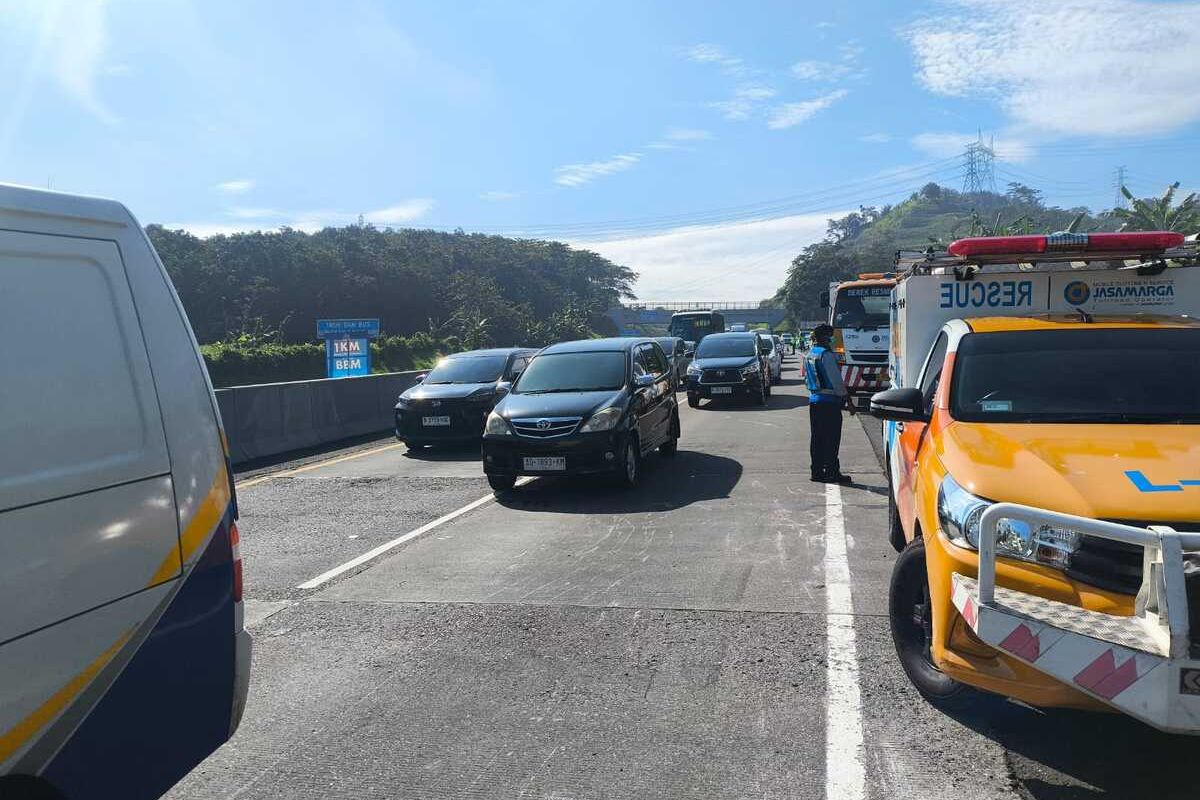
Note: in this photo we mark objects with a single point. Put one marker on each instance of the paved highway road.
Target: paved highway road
(720, 632)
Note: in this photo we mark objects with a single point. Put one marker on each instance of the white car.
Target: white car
(774, 355)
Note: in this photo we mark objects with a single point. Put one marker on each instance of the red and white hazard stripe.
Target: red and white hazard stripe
(860, 378)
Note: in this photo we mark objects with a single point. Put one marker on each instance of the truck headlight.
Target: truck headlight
(603, 420)
(959, 513)
(496, 425)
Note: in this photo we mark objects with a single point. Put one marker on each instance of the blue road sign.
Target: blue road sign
(347, 358)
(347, 328)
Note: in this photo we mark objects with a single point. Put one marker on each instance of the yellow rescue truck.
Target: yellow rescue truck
(1043, 452)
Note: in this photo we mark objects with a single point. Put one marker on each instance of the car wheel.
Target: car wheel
(910, 614)
(501, 483)
(671, 445)
(693, 401)
(631, 465)
(895, 529)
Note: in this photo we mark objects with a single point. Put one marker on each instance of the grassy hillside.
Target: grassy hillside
(867, 240)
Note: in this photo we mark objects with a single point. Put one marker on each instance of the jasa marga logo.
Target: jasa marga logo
(1127, 293)
(1077, 293)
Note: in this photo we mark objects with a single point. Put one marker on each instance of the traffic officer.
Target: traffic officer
(826, 396)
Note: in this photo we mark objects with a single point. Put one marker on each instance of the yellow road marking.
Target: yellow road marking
(287, 473)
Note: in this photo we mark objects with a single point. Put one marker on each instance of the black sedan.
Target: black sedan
(452, 401)
(729, 365)
(594, 406)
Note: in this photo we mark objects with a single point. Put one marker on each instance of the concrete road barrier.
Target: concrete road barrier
(272, 418)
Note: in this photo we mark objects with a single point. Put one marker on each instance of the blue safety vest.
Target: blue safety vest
(819, 390)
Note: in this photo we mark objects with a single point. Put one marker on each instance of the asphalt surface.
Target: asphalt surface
(573, 640)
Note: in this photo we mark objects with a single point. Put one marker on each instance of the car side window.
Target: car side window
(933, 370)
(639, 362)
(655, 362)
(518, 365)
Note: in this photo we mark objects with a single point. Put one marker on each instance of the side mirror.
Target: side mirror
(504, 387)
(900, 405)
(643, 381)
(825, 298)
(420, 378)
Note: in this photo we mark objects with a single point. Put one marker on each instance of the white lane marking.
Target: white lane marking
(845, 778)
(325, 577)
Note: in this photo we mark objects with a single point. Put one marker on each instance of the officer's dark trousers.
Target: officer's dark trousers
(825, 438)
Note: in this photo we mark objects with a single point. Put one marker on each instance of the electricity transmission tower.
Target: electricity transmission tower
(980, 175)
(1119, 182)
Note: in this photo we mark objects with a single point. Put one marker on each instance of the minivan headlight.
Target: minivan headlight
(603, 420)
(959, 513)
(496, 425)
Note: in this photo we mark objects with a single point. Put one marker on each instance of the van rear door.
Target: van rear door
(87, 509)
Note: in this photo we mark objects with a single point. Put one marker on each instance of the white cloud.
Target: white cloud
(407, 211)
(747, 98)
(498, 197)
(1072, 67)
(240, 186)
(790, 114)
(579, 174)
(206, 229)
(876, 138)
(680, 139)
(820, 70)
(736, 261)
(945, 145)
(715, 54)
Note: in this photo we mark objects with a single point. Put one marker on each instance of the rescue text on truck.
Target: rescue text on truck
(1036, 500)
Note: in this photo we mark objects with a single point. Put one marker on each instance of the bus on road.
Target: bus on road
(692, 326)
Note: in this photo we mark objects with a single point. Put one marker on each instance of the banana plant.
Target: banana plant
(1160, 213)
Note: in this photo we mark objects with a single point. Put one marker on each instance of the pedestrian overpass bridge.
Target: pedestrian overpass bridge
(643, 318)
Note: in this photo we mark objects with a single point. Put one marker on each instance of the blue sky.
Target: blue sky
(702, 144)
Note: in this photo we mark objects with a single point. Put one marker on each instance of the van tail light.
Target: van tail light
(235, 542)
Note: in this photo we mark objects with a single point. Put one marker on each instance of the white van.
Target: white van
(123, 658)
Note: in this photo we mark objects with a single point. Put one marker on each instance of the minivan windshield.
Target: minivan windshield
(863, 307)
(727, 346)
(595, 371)
(1134, 375)
(467, 369)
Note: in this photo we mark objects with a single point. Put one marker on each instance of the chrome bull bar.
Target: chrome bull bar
(1141, 665)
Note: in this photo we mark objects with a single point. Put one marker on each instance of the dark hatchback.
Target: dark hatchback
(593, 406)
(729, 365)
(452, 401)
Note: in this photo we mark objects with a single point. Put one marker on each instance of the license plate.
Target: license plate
(545, 463)
(722, 390)
(435, 421)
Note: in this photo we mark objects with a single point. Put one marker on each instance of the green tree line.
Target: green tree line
(470, 290)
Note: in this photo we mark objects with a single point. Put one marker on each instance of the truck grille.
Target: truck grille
(869, 356)
(545, 427)
(1115, 566)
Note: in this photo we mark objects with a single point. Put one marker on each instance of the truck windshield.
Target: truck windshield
(863, 307)
(1134, 375)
